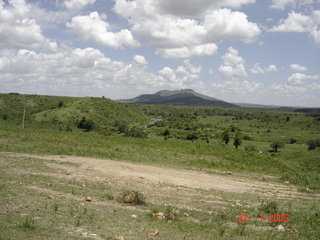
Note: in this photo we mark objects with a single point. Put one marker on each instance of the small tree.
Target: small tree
(275, 145)
(60, 105)
(237, 141)
(225, 137)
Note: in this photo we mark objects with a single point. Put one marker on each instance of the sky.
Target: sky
(242, 51)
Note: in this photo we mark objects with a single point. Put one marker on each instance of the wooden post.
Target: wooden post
(24, 115)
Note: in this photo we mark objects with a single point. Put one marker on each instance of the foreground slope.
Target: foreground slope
(67, 110)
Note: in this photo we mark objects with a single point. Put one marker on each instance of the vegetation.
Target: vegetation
(112, 130)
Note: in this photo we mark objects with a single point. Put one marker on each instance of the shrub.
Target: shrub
(251, 148)
(192, 136)
(133, 197)
(136, 132)
(270, 207)
(313, 144)
(87, 125)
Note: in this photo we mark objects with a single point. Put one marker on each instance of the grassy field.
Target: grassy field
(27, 212)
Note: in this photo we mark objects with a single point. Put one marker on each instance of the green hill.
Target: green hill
(67, 110)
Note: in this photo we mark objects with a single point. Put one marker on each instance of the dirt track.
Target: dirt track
(150, 177)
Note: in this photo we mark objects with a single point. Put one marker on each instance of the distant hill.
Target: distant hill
(67, 110)
(185, 97)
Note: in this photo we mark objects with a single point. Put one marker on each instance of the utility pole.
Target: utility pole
(24, 115)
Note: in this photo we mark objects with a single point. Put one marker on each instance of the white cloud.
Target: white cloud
(77, 4)
(186, 37)
(85, 72)
(282, 4)
(189, 8)
(298, 22)
(17, 30)
(140, 60)
(298, 78)
(261, 70)
(233, 65)
(299, 68)
(185, 52)
(93, 28)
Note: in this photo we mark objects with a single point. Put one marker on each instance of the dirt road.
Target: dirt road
(153, 177)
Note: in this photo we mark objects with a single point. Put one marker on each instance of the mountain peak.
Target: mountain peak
(183, 97)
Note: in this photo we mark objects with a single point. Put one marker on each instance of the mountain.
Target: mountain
(182, 97)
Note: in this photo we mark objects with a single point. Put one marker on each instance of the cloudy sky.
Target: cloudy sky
(253, 51)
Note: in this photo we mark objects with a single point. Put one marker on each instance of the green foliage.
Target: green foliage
(270, 207)
(87, 125)
(313, 144)
(60, 104)
(275, 145)
(237, 140)
(225, 137)
(136, 132)
(192, 136)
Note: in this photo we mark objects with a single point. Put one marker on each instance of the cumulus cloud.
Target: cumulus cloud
(179, 37)
(282, 4)
(298, 22)
(257, 69)
(233, 65)
(189, 8)
(87, 71)
(93, 28)
(17, 30)
(191, 52)
(77, 4)
(140, 60)
(299, 68)
(298, 79)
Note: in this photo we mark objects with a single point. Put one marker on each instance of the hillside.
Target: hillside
(67, 110)
(185, 97)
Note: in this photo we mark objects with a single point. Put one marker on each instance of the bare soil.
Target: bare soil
(164, 181)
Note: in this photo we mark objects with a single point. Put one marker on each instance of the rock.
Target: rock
(50, 197)
(88, 199)
(129, 198)
(280, 228)
(153, 232)
(308, 190)
(159, 215)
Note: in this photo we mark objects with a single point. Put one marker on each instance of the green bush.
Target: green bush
(313, 144)
(136, 132)
(270, 207)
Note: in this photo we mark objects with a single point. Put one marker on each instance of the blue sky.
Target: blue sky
(253, 51)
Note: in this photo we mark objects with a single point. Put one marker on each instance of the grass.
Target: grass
(27, 212)
(25, 183)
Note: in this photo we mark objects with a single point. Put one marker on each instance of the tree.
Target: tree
(275, 145)
(225, 137)
(237, 141)
(60, 105)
